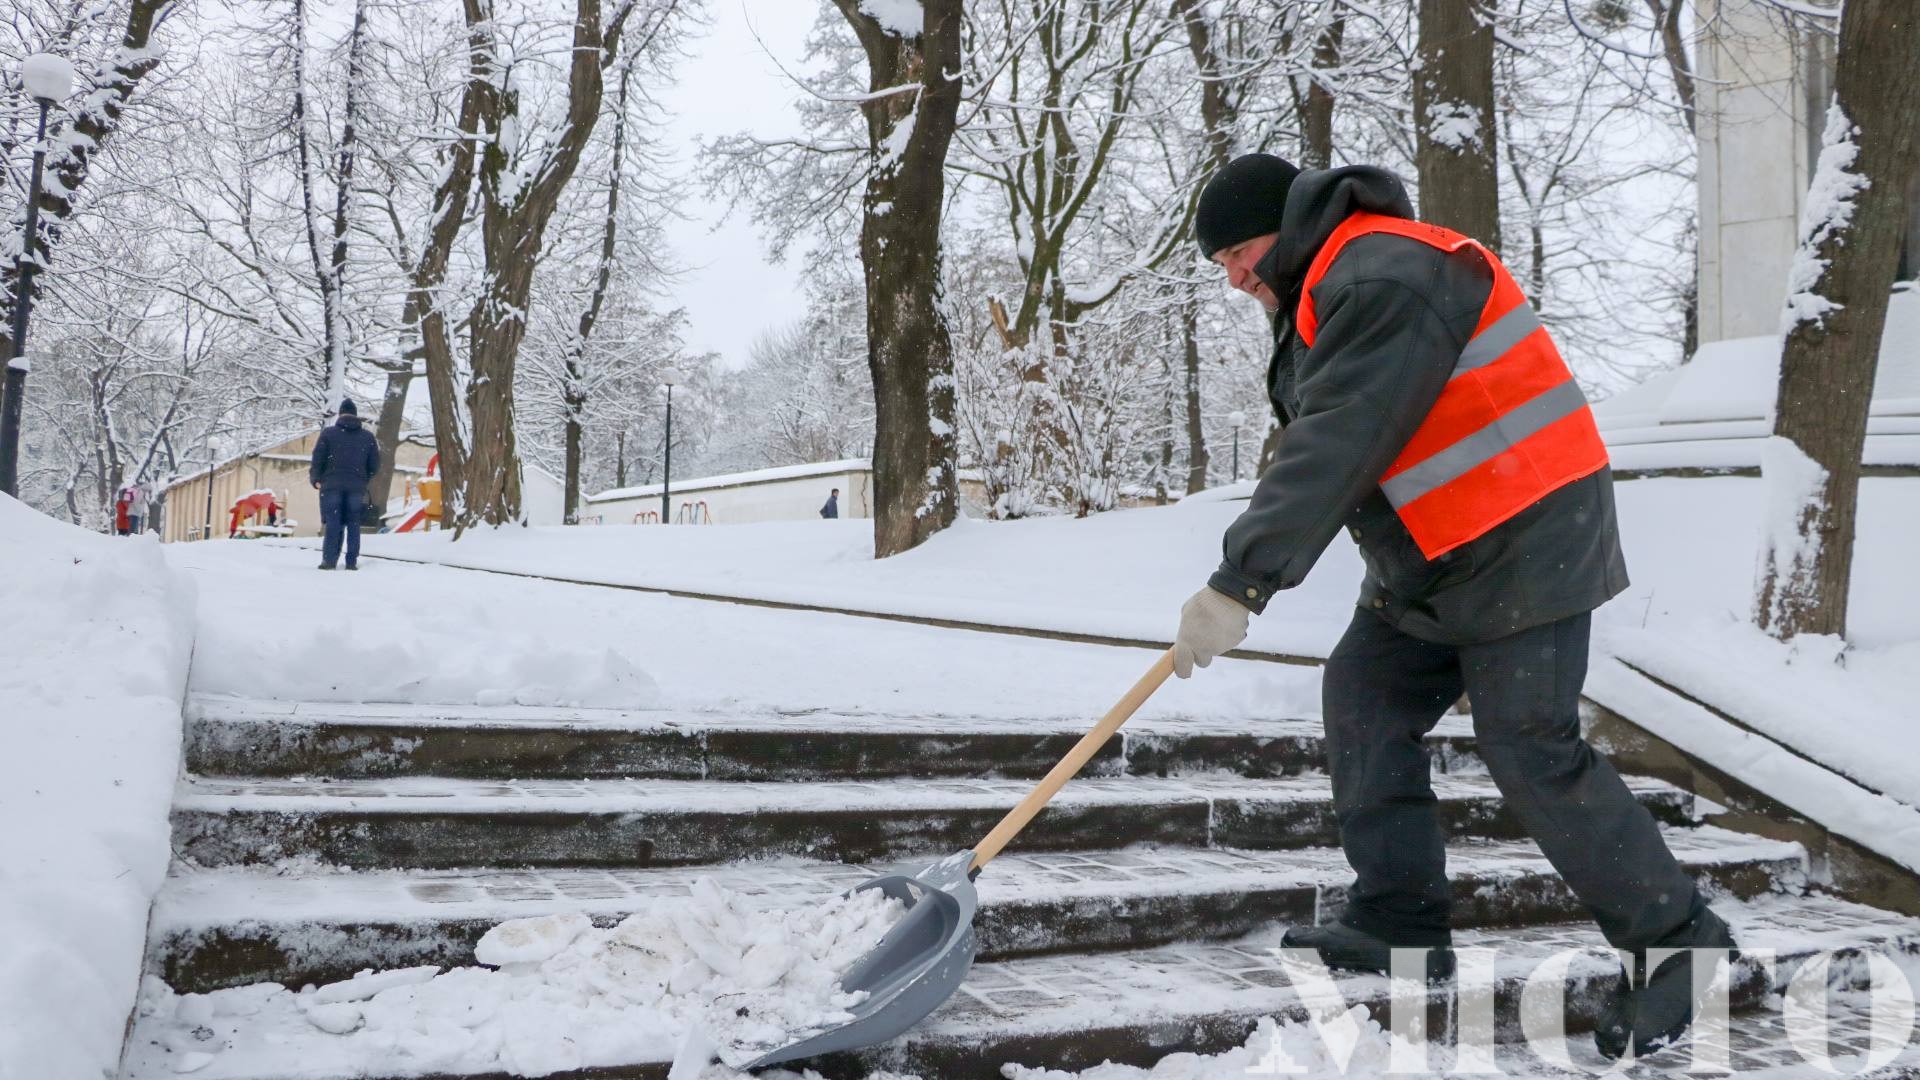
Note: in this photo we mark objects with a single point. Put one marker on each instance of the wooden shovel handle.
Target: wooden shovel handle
(1076, 759)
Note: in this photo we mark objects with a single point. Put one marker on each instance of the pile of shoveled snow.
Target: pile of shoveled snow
(705, 970)
(93, 667)
(1350, 1046)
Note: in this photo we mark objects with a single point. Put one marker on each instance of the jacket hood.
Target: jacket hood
(1318, 202)
(349, 421)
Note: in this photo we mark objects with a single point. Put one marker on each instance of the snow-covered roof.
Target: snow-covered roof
(257, 450)
(757, 476)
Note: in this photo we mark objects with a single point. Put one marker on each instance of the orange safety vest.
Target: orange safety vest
(1511, 425)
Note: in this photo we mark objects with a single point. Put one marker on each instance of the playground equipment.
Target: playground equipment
(694, 513)
(257, 513)
(422, 500)
(647, 517)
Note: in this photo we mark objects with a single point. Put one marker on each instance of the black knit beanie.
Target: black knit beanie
(347, 408)
(1243, 200)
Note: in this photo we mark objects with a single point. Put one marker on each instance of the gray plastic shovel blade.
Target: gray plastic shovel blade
(915, 967)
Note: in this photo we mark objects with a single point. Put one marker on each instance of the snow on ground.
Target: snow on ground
(273, 626)
(1686, 621)
(93, 668)
(1124, 573)
(708, 972)
(1691, 546)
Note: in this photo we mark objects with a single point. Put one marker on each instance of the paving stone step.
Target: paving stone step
(434, 823)
(217, 928)
(1073, 1012)
(235, 737)
(1136, 1007)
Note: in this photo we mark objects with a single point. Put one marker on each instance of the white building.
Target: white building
(788, 493)
(1764, 86)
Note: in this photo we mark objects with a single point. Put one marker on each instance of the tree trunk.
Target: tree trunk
(517, 201)
(570, 513)
(445, 217)
(1456, 148)
(387, 434)
(1837, 293)
(1673, 45)
(1316, 110)
(329, 265)
(574, 396)
(1165, 468)
(1220, 113)
(909, 352)
(1197, 456)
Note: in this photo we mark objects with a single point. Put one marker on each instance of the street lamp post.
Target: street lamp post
(668, 377)
(206, 530)
(46, 78)
(1236, 418)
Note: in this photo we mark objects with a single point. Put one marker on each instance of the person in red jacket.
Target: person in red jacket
(1426, 411)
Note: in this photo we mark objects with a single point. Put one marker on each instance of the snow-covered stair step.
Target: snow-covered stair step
(446, 823)
(1073, 1012)
(231, 926)
(245, 737)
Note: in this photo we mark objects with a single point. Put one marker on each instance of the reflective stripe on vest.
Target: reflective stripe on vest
(1510, 427)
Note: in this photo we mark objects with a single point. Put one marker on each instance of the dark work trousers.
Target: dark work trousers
(340, 509)
(1383, 690)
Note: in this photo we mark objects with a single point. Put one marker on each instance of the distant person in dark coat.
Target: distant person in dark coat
(832, 509)
(345, 457)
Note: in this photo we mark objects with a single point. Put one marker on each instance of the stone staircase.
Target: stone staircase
(1131, 921)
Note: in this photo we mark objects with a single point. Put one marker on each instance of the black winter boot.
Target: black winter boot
(1654, 1011)
(1665, 1006)
(1613, 1030)
(1343, 948)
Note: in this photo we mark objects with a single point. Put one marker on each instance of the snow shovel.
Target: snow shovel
(921, 960)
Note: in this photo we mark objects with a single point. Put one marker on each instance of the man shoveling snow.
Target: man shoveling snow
(1425, 410)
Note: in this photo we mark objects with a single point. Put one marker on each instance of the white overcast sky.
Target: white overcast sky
(728, 83)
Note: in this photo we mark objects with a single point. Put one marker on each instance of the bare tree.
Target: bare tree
(519, 176)
(108, 86)
(1850, 237)
(913, 67)
(329, 268)
(71, 148)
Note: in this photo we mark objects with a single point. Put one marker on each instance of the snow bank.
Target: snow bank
(1850, 709)
(1873, 821)
(93, 668)
(706, 972)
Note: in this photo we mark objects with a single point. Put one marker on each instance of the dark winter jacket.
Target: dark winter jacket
(345, 456)
(1394, 315)
(832, 507)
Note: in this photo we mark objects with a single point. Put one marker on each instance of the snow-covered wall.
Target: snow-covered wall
(93, 669)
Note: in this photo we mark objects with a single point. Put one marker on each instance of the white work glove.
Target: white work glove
(1211, 622)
